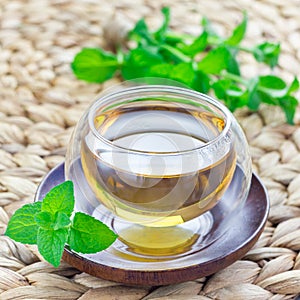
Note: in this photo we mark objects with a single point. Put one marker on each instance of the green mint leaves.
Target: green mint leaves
(94, 65)
(60, 199)
(204, 63)
(238, 33)
(88, 235)
(22, 226)
(267, 53)
(51, 244)
(50, 225)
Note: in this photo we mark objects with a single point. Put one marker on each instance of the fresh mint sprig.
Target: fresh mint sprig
(50, 224)
(204, 63)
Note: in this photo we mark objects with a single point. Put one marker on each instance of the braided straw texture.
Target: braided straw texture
(41, 101)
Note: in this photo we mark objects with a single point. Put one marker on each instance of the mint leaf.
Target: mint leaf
(215, 61)
(294, 86)
(272, 85)
(94, 65)
(138, 62)
(220, 87)
(161, 70)
(160, 33)
(232, 94)
(60, 199)
(232, 64)
(289, 105)
(51, 244)
(207, 27)
(238, 33)
(201, 82)
(44, 219)
(236, 97)
(61, 221)
(254, 97)
(22, 226)
(141, 34)
(267, 53)
(182, 72)
(198, 45)
(267, 98)
(47, 220)
(88, 235)
(272, 82)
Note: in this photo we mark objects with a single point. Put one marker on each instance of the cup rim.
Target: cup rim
(105, 98)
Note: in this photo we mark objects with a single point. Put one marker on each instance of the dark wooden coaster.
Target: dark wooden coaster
(244, 231)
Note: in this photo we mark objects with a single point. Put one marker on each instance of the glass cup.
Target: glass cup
(165, 167)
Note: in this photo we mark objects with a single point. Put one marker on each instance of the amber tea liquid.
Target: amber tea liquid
(161, 181)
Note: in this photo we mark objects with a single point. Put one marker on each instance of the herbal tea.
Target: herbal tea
(150, 183)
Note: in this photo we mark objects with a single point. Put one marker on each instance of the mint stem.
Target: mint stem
(245, 49)
(176, 37)
(236, 78)
(176, 53)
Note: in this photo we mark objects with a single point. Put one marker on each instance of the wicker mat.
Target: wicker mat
(40, 102)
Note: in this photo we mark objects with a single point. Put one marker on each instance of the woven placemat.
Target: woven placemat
(41, 101)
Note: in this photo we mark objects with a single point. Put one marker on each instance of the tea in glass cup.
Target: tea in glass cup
(155, 161)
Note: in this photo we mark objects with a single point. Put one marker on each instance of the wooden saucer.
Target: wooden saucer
(244, 231)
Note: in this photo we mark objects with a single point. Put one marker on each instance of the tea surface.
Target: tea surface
(159, 181)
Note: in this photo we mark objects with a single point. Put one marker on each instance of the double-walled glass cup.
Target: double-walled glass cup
(167, 168)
